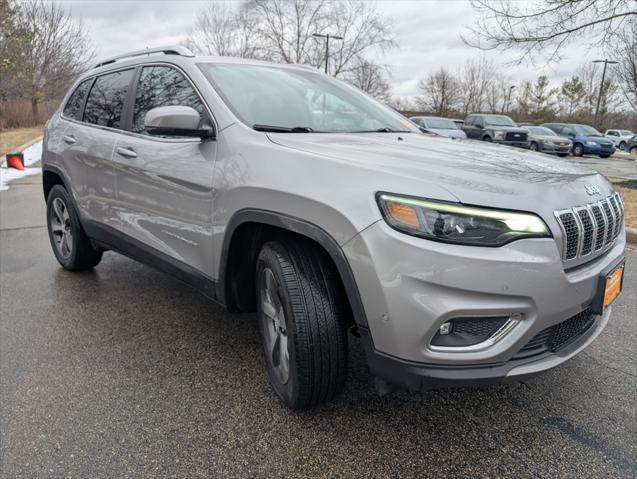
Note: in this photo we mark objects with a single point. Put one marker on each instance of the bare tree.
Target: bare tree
(57, 51)
(543, 28)
(626, 69)
(497, 94)
(475, 80)
(221, 30)
(371, 78)
(439, 92)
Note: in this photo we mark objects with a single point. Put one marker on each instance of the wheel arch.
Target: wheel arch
(247, 231)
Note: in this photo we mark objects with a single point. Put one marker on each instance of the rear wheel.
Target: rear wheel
(578, 149)
(487, 138)
(633, 150)
(302, 317)
(622, 146)
(71, 246)
(533, 146)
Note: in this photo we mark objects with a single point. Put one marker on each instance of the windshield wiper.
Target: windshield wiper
(283, 129)
(385, 129)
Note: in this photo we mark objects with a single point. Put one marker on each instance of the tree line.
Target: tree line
(481, 87)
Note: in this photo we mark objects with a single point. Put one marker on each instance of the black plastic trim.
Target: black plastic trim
(597, 307)
(302, 227)
(111, 239)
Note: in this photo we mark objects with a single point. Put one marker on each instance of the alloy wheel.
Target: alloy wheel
(274, 326)
(61, 228)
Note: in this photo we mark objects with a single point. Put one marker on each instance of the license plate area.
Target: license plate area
(609, 288)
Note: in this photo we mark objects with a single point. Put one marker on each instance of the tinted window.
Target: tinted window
(73, 108)
(106, 100)
(162, 86)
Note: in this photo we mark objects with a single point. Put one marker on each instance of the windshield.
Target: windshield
(498, 121)
(440, 123)
(540, 131)
(270, 98)
(627, 133)
(586, 130)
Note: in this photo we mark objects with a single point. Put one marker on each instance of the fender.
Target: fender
(304, 228)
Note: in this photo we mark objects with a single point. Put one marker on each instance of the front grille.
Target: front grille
(590, 228)
(513, 136)
(556, 337)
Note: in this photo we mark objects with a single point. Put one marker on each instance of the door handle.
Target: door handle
(126, 152)
(68, 139)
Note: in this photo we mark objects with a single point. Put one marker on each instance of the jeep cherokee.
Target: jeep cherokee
(277, 189)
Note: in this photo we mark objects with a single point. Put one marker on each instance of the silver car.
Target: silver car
(547, 141)
(277, 189)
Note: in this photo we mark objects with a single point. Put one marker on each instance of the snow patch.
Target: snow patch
(32, 155)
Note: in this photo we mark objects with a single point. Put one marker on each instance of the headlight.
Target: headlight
(592, 143)
(498, 135)
(456, 223)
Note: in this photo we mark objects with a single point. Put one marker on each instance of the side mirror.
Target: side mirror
(176, 120)
(479, 125)
(570, 134)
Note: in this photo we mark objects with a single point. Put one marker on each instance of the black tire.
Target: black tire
(604, 156)
(533, 146)
(487, 138)
(314, 318)
(633, 150)
(80, 254)
(578, 149)
(622, 146)
(562, 155)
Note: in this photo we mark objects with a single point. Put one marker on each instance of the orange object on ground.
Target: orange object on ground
(15, 160)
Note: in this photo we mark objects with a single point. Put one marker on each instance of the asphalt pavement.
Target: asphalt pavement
(125, 372)
(618, 166)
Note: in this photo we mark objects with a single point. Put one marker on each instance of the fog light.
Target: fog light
(445, 328)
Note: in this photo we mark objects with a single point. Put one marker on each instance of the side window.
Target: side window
(469, 121)
(613, 133)
(73, 107)
(106, 101)
(162, 86)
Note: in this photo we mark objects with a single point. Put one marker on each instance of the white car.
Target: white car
(619, 138)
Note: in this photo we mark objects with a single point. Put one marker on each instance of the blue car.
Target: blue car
(586, 139)
(441, 126)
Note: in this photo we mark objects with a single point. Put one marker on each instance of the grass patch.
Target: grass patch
(628, 190)
(12, 139)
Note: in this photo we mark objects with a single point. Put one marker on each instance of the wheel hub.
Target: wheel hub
(274, 326)
(60, 223)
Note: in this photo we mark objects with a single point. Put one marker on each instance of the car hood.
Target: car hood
(602, 140)
(549, 138)
(452, 132)
(473, 172)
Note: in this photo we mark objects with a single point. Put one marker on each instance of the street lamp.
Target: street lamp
(509, 97)
(327, 37)
(601, 85)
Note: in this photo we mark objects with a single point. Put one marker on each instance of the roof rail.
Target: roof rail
(169, 50)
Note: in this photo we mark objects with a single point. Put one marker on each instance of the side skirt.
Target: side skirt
(111, 239)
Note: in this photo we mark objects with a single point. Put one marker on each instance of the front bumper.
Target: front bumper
(410, 286)
(597, 149)
(555, 149)
(517, 144)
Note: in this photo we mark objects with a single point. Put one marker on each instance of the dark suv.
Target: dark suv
(495, 128)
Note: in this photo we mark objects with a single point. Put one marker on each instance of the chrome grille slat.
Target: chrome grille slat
(590, 228)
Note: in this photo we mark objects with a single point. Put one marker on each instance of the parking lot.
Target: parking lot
(125, 372)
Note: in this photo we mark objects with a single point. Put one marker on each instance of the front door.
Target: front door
(164, 185)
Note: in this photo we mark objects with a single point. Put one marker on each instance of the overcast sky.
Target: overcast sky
(428, 35)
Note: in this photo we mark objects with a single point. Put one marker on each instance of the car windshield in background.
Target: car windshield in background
(586, 130)
(499, 121)
(627, 133)
(441, 124)
(282, 99)
(541, 131)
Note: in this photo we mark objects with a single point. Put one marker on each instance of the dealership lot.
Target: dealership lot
(125, 372)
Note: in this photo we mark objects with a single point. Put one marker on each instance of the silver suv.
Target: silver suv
(277, 189)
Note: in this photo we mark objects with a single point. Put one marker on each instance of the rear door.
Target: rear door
(164, 185)
(91, 138)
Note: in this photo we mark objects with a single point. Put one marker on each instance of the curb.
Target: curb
(631, 236)
(19, 148)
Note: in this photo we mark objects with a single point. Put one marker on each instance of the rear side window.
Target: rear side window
(162, 86)
(106, 101)
(73, 107)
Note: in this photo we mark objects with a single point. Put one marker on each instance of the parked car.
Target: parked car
(441, 126)
(586, 139)
(495, 128)
(547, 141)
(281, 190)
(619, 138)
(459, 123)
(631, 146)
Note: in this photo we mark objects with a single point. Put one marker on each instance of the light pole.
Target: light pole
(601, 85)
(509, 97)
(327, 37)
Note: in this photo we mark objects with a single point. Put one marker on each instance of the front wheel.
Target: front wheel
(487, 138)
(578, 150)
(71, 246)
(302, 317)
(622, 146)
(562, 155)
(533, 146)
(633, 150)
